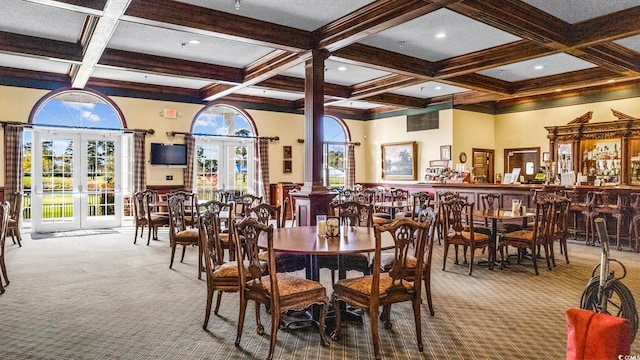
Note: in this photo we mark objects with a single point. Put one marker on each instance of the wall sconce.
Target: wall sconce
(301, 141)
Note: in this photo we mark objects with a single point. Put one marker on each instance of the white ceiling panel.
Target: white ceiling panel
(175, 44)
(261, 92)
(32, 63)
(573, 11)
(340, 73)
(429, 89)
(147, 78)
(28, 18)
(417, 38)
(306, 15)
(550, 65)
(632, 42)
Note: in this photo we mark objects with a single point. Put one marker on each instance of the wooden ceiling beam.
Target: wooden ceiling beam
(170, 66)
(608, 27)
(398, 100)
(480, 83)
(373, 18)
(518, 18)
(384, 60)
(575, 79)
(382, 85)
(612, 57)
(200, 20)
(34, 75)
(40, 47)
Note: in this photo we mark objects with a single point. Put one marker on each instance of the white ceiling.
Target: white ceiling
(416, 38)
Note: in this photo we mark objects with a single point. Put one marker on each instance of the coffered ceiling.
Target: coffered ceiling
(386, 55)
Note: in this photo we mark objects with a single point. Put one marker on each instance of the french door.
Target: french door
(223, 164)
(76, 180)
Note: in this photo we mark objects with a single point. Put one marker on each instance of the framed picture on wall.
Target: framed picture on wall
(445, 152)
(399, 161)
(287, 166)
(286, 152)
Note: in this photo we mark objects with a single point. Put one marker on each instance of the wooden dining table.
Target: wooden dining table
(392, 206)
(494, 216)
(305, 240)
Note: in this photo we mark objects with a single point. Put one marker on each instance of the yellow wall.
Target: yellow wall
(394, 129)
(462, 129)
(471, 130)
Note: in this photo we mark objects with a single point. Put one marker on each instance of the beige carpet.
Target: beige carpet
(101, 297)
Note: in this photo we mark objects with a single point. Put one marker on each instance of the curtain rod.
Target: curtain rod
(270, 138)
(30, 126)
(356, 143)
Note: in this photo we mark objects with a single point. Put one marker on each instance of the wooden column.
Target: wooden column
(313, 197)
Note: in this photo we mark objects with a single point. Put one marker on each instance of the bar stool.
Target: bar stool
(580, 202)
(634, 222)
(603, 206)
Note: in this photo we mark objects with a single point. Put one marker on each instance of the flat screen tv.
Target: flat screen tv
(168, 154)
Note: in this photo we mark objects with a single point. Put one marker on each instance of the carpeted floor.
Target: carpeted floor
(102, 297)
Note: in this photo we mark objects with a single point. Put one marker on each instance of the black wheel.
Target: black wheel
(620, 301)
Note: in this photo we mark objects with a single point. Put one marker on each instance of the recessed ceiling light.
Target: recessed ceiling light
(440, 35)
(539, 67)
(342, 68)
(438, 87)
(194, 42)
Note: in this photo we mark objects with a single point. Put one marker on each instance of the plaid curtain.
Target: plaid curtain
(139, 178)
(263, 156)
(13, 171)
(190, 141)
(350, 180)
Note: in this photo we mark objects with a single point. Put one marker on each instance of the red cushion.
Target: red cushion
(596, 336)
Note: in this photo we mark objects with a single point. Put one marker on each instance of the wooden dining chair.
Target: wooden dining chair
(460, 230)
(223, 212)
(4, 220)
(179, 234)
(370, 292)
(190, 206)
(244, 202)
(222, 276)
(351, 213)
(532, 239)
(15, 214)
(560, 226)
(426, 216)
(267, 214)
(144, 217)
(280, 292)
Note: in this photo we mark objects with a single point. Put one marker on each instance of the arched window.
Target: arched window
(77, 162)
(225, 148)
(335, 152)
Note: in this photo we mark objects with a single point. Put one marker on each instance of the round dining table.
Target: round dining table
(305, 240)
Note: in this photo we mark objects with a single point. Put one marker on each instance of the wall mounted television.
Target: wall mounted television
(169, 154)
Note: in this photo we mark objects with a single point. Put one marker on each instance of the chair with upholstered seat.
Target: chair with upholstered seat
(179, 234)
(280, 292)
(190, 206)
(351, 213)
(386, 288)
(4, 220)
(634, 221)
(607, 204)
(455, 212)
(223, 215)
(245, 202)
(222, 276)
(267, 214)
(534, 238)
(427, 216)
(15, 213)
(144, 217)
(560, 226)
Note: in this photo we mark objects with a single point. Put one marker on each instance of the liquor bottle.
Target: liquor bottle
(615, 151)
